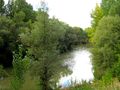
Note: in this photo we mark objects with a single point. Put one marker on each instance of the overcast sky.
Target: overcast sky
(73, 12)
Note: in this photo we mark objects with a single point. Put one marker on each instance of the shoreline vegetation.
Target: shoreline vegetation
(34, 47)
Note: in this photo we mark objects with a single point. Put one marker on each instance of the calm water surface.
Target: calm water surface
(81, 67)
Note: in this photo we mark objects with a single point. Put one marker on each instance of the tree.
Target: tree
(27, 9)
(96, 15)
(42, 42)
(9, 7)
(7, 41)
(1, 7)
(106, 6)
(81, 36)
(90, 34)
(9, 38)
(106, 45)
(71, 37)
(114, 10)
(17, 6)
(65, 42)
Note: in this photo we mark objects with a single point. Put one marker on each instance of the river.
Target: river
(81, 67)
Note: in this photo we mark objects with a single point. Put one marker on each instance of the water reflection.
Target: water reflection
(82, 68)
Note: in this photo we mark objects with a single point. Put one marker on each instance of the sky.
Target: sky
(72, 12)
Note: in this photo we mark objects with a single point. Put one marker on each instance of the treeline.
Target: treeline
(104, 35)
(30, 39)
(17, 17)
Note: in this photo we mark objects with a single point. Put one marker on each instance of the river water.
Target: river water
(81, 67)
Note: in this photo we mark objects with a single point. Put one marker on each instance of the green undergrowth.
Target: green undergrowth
(31, 83)
(97, 85)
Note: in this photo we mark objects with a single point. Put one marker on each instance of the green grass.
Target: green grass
(5, 84)
(97, 85)
(29, 84)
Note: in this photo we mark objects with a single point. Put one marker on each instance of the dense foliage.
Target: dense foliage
(104, 37)
(18, 17)
(106, 45)
(43, 40)
(10, 28)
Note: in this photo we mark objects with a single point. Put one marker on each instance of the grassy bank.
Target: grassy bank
(31, 84)
(97, 85)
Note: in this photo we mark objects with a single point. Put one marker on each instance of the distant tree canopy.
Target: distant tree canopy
(71, 37)
(18, 17)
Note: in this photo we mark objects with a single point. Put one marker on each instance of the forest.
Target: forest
(33, 47)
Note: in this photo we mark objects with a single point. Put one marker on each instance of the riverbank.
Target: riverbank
(69, 57)
(96, 85)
